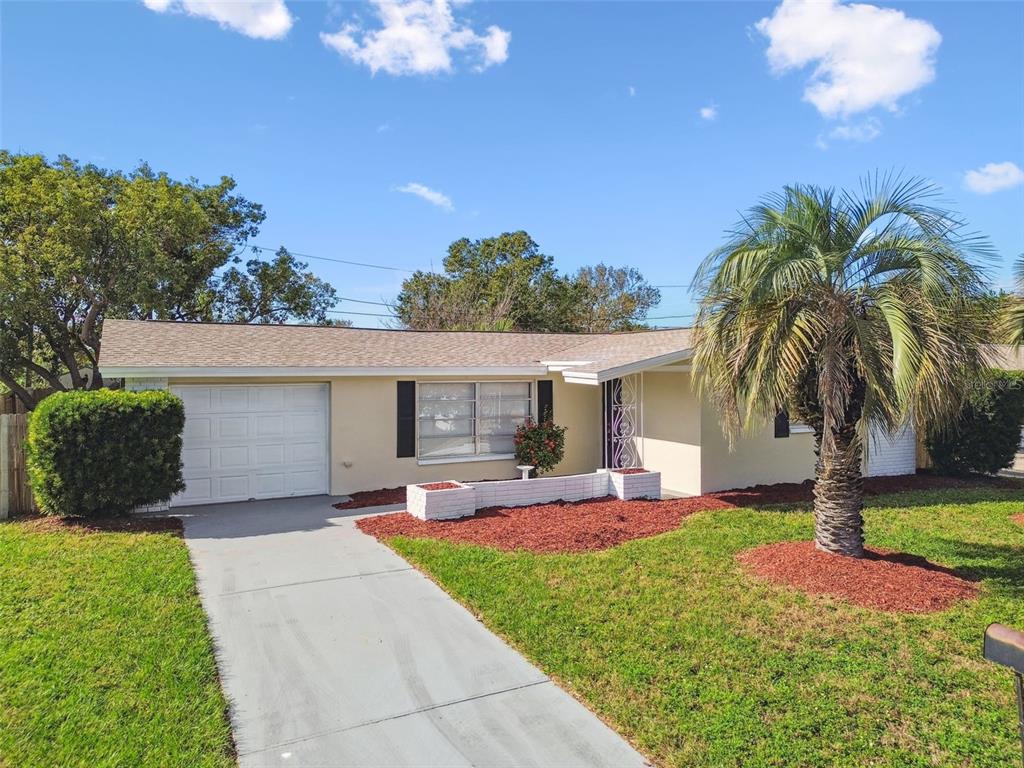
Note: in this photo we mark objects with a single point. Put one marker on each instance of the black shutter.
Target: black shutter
(545, 399)
(406, 419)
(782, 424)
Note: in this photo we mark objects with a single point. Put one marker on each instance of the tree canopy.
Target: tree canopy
(848, 309)
(79, 243)
(507, 283)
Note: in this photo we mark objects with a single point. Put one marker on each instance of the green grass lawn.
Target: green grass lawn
(105, 658)
(698, 664)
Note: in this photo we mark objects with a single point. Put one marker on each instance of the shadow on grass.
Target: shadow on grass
(999, 564)
(85, 525)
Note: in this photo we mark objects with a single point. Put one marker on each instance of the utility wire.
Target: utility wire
(364, 314)
(336, 261)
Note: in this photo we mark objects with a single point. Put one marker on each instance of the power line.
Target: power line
(336, 261)
(365, 314)
(363, 301)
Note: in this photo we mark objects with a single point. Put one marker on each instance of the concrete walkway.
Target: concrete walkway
(334, 652)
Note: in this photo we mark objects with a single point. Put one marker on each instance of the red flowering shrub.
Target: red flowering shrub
(540, 444)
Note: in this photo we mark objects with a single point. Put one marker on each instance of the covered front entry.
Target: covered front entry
(254, 441)
(622, 400)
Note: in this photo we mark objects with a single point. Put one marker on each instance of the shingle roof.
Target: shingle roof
(144, 344)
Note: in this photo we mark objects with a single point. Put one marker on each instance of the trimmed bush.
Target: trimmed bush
(104, 452)
(540, 444)
(986, 436)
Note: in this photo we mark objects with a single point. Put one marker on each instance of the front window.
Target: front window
(470, 419)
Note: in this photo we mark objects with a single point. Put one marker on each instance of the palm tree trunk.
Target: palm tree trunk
(839, 496)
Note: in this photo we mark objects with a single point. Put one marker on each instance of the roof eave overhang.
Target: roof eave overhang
(144, 371)
(606, 374)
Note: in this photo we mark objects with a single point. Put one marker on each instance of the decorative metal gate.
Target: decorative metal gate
(623, 422)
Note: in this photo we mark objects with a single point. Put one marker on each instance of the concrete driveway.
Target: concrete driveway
(335, 652)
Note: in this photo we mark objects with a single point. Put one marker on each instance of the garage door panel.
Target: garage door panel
(307, 398)
(269, 426)
(230, 399)
(232, 427)
(306, 424)
(269, 454)
(268, 398)
(306, 452)
(303, 482)
(196, 459)
(197, 490)
(233, 456)
(253, 441)
(197, 427)
(196, 399)
(233, 486)
(270, 484)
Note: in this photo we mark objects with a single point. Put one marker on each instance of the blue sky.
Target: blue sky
(579, 122)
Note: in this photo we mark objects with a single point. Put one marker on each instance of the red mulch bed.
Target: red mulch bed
(789, 493)
(582, 526)
(374, 498)
(85, 525)
(631, 471)
(595, 524)
(1018, 519)
(445, 486)
(882, 580)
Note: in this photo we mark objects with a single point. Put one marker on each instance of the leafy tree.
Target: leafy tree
(79, 243)
(610, 298)
(847, 309)
(272, 292)
(506, 283)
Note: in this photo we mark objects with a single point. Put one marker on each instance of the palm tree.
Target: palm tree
(1014, 317)
(845, 309)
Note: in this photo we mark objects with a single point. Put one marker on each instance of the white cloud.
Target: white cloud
(432, 196)
(384, 127)
(710, 112)
(864, 56)
(418, 37)
(994, 177)
(632, 90)
(264, 19)
(866, 130)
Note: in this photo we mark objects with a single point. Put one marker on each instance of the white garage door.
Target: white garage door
(253, 442)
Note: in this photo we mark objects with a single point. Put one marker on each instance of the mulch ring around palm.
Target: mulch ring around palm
(86, 525)
(883, 580)
(561, 526)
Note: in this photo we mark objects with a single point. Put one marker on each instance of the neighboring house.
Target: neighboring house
(278, 410)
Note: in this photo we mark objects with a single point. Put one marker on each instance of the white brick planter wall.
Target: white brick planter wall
(443, 504)
(638, 485)
(468, 497)
(540, 490)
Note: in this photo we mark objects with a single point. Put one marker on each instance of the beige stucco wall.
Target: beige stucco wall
(682, 437)
(364, 427)
(672, 431)
(756, 459)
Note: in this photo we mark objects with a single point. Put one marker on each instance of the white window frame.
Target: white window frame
(476, 456)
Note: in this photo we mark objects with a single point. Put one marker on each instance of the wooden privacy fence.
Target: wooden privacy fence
(15, 493)
(9, 402)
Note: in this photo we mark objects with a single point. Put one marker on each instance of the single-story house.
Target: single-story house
(280, 410)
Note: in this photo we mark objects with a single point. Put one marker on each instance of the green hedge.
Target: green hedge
(104, 452)
(987, 433)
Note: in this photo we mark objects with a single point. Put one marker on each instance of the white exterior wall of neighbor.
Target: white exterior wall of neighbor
(891, 455)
